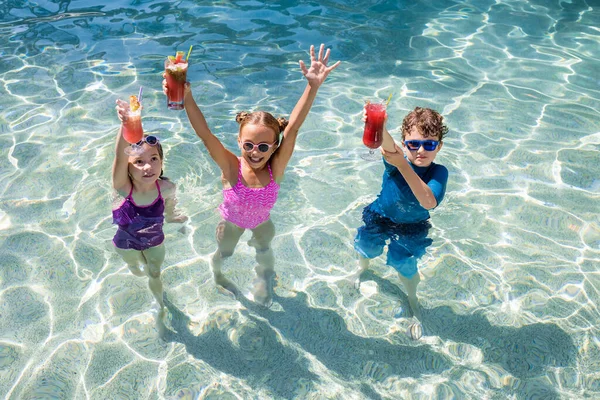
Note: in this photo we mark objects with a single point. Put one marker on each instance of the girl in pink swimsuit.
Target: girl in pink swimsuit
(148, 201)
(251, 181)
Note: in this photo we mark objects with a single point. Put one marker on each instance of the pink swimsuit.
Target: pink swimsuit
(248, 207)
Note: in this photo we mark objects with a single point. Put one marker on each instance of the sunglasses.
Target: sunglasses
(149, 140)
(262, 147)
(428, 145)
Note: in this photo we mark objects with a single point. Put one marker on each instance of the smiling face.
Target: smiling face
(257, 134)
(146, 167)
(420, 157)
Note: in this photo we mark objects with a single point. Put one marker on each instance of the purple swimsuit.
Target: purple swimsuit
(140, 227)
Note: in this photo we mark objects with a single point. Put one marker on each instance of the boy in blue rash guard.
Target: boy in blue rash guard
(412, 185)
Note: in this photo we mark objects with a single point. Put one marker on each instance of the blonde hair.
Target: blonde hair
(262, 118)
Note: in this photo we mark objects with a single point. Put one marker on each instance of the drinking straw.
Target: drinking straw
(187, 58)
(140, 94)
(388, 100)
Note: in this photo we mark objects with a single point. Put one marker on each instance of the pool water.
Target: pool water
(510, 287)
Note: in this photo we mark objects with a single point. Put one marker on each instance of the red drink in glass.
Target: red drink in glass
(176, 75)
(132, 128)
(373, 134)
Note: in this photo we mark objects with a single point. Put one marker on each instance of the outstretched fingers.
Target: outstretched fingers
(334, 66)
(303, 67)
(312, 53)
(321, 48)
(326, 58)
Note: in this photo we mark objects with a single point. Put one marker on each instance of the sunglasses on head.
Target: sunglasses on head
(262, 147)
(150, 140)
(428, 145)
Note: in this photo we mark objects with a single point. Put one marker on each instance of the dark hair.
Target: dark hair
(161, 154)
(429, 122)
(262, 118)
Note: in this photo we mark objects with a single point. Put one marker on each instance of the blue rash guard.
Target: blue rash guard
(398, 203)
(397, 216)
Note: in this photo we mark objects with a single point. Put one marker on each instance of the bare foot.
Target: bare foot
(415, 331)
(263, 289)
(355, 278)
(226, 284)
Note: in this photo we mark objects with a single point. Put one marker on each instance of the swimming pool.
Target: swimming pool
(510, 286)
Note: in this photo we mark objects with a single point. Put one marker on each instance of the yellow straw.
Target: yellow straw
(388, 100)
(187, 58)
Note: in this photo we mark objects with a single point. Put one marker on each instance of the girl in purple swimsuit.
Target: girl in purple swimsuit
(149, 200)
(251, 181)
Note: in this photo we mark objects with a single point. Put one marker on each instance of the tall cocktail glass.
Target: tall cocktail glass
(373, 133)
(132, 127)
(176, 76)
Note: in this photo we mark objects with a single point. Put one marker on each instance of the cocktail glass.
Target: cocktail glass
(132, 127)
(373, 134)
(176, 76)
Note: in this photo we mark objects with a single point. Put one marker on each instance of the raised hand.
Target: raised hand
(122, 110)
(165, 88)
(318, 71)
(394, 157)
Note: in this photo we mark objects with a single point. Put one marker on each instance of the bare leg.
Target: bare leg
(410, 285)
(154, 260)
(363, 265)
(262, 236)
(228, 235)
(134, 259)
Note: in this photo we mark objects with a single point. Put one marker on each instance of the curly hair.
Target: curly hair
(262, 118)
(429, 122)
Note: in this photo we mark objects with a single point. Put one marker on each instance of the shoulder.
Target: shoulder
(439, 169)
(439, 173)
(167, 188)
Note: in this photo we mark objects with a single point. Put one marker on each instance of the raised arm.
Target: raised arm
(420, 189)
(225, 159)
(172, 214)
(388, 144)
(120, 170)
(315, 75)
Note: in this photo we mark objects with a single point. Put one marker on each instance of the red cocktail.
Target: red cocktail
(132, 126)
(176, 76)
(373, 134)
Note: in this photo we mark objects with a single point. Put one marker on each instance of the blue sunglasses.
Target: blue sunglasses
(428, 145)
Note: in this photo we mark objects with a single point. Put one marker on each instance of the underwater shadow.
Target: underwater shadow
(259, 358)
(526, 352)
(323, 333)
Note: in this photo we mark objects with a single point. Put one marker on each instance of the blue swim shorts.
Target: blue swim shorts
(408, 241)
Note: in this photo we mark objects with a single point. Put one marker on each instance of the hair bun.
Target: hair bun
(241, 116)
(282, 123)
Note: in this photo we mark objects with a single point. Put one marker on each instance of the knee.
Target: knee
(154, 273)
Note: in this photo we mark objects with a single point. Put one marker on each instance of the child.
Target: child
(149, 199)
(412, 185)
(251, 181)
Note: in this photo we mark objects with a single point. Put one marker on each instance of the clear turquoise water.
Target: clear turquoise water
(510, 286)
